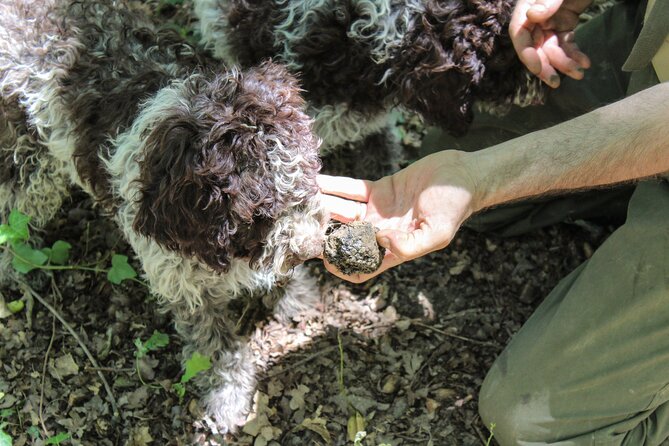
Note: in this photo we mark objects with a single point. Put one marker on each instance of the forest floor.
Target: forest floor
(401, 357)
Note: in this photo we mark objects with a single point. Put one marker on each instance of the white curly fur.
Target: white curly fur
(382, 26)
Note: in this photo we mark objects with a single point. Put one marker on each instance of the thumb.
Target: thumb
(406, 245)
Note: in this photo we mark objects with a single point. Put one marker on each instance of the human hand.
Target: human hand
(418, 209)
(542, 32)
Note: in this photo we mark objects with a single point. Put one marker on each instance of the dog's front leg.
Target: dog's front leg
(227, 388)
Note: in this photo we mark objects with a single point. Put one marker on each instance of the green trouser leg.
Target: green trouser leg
(607, 39)
(591, 365)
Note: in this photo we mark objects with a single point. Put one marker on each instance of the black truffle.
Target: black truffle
(352, 248)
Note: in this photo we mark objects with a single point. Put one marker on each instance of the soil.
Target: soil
(401, 357)
(352, 248)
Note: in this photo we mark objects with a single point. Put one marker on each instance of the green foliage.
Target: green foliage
(491, 429)
(120, 270)
(15, 306)
(58, 439)
(16, 234)
(17, 228)
(5, 438)
(195, 364)
(26, 258)
(156, 341)
(33, 431)
(59, 253)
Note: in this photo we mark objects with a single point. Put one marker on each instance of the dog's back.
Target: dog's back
(358, 58)
(80, 68)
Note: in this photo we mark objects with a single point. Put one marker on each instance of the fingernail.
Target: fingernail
(384, 242)
(554, 81)
(539, 8)
(580, 70)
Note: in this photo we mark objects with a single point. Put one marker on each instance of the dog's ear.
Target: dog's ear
(201, 197)
(173, 208)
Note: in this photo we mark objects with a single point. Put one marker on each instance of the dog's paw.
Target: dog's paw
(228, 406)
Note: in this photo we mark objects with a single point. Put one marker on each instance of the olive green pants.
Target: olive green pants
(591, 366)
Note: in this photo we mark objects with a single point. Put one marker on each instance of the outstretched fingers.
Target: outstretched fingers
(344, 210)
(344, 187)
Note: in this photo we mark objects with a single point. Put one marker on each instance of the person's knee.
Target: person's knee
(507, 409)
(495, 406)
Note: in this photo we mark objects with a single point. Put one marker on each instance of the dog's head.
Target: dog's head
(228, 171)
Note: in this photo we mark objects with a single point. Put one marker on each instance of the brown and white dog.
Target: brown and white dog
(357, 59)
(209, 172)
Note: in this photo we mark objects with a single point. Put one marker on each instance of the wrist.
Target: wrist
(457, 169)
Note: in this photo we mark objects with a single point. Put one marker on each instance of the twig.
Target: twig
(309, 358)
(340, 345)
(41, 391)
(109, 369)
(452, 335)
(88, 354)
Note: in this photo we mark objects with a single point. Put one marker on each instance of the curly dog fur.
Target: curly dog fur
(358, 58)
(209, 172)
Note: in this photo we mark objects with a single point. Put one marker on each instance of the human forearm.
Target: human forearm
(624, 141)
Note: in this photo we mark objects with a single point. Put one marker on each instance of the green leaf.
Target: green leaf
(17, 228)
(141, 349)
(19, 223)
(60, 252)
(15, 306)
(26, 258)
(33, 432)
(5, 439)
(6, 413)
(120, 270)
(196, 364)
(179, 389)
(7, 234)
(156, 341)
(57, 439)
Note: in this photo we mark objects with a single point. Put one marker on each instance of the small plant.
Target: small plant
(57, 439)
(5, 438)
(491, 429)
(195, 364)
(14, 237)
(156, 341)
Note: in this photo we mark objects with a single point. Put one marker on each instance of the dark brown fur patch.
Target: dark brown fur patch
(335, 69)
(459, 52)
(207, 184)
(121, 65)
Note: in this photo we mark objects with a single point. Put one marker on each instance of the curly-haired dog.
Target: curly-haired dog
(210, 173)
(358, 58)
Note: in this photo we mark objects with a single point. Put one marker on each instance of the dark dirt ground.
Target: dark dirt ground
(414, 344)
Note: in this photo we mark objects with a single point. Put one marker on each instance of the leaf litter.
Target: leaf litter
(416, 341)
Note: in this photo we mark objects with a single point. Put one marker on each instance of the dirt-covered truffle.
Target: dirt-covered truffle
(352, 248)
